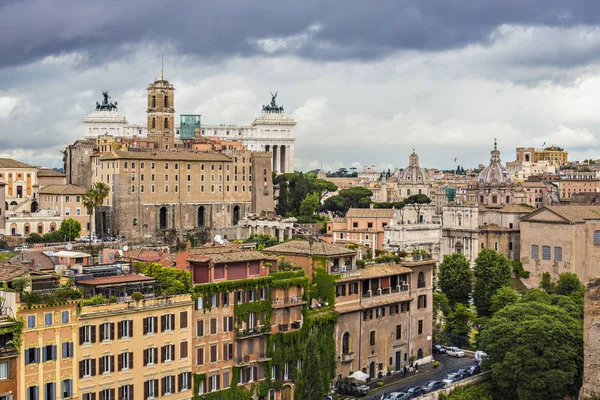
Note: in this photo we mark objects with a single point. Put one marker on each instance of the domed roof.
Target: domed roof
(495, 173)
(414, 173)
(105, 117)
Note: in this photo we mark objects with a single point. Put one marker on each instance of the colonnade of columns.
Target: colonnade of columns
(281, 154)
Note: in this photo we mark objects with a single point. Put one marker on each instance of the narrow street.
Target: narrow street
(447, 365)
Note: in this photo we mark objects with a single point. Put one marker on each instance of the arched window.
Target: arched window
(201, 216)
(153, 101)
(527, 157)
(135, 222)
(166, 123)
(346, 343)
(459, 220)
(419, 354)
(236, 214)
(163, 218)
(421, 280)
(153, 123)
(166, 101)
(408, 192)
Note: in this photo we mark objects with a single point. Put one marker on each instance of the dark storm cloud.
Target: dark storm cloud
(32, 29)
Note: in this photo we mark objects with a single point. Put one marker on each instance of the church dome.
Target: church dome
(414, 173)
(495, 173)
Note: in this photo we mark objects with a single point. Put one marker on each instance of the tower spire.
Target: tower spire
(162, 65)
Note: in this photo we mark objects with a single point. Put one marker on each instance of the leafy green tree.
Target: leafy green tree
(417, 201)
(168, 280)
(503, 297)
(309, 205)
(354, 197)
(357, 197)
(458, 325)
(535, 351)
(547, 284)
(54, 236)
(397, 205)
(492, 271)
(336, 205)
(262, 239)
(455, 278)
(441, 305)
(537, 295)
(34, 238)
(70, 229)
(568, 283)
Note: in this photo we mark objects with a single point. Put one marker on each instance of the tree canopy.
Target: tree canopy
(568, 283)
(262, 240)
(492, 271)
(417, 201)
(455, 278)
(535, 351)
(70, 229)
(503, 297)
(294, 188)
(354, 197)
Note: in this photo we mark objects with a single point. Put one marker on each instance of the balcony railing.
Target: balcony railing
(287, 301)
(403, 287)
(347, 357)
(249, 358)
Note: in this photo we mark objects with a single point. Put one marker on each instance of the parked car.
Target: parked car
(479, 356)
(397, 396)
(455, 352)
(439, 349)
(415, 392)
(352, 387)
(474, 369)
(451, 378)
(433, 386)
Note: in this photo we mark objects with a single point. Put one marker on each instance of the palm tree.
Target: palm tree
(101, 191)
(92, 199)
(88, 202)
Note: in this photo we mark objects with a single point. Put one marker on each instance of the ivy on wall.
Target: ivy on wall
(318, 326)
(16, 331)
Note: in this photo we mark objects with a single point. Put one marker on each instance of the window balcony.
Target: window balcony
(347, 357)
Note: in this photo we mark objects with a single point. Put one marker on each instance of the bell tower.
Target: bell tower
(161, 106)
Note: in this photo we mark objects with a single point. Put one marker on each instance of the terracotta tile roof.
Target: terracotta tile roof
(9, 271)
(303, 247)
(230, 257)
(493, 227)
(37, 258)
(576, 213)
(378, 270)
(534, 184)
(516, 208)
(62, 190)
(49, 172)
(339, 220)
(113, 280)
(370, 213)
(211, 249)
(166, 155)
(142, 254)
(10, 163)
(385, 300)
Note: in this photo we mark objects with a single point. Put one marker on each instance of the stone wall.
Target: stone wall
(591, 340)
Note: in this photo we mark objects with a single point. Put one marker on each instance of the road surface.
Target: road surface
(447, 365)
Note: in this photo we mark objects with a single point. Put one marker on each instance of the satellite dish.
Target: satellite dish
(69, 246)
(217, 238)
(111, 256)
(121, 253)
(125, 248)
(221, 241)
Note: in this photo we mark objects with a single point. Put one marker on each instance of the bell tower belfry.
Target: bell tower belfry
(161, 106)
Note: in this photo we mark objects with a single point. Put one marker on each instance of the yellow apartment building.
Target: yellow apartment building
(136, 349)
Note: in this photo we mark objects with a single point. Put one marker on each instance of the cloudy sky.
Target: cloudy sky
(366, 80)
